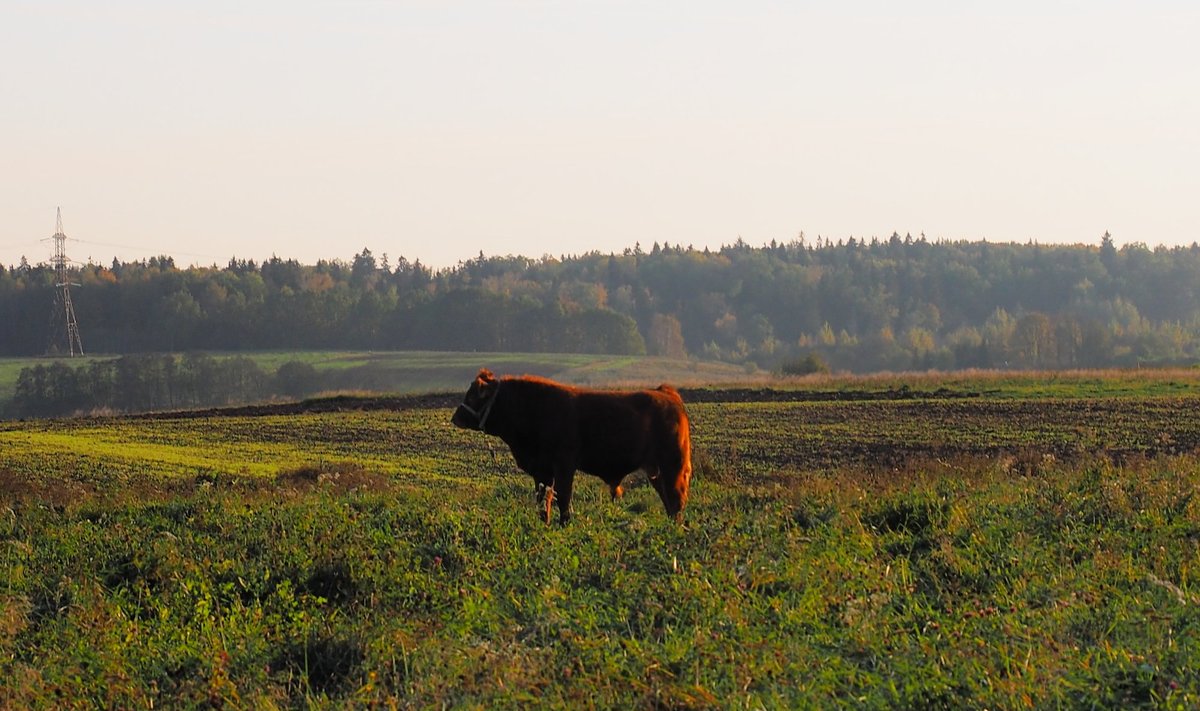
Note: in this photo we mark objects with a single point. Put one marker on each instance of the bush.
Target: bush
(296, 379)
(808, 365)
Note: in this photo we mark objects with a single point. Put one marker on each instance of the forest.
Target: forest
(901, 303)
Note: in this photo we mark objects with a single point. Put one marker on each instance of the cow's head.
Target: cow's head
(477, 404)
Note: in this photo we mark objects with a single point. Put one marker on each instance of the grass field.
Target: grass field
(430, 371)
(1001, 550)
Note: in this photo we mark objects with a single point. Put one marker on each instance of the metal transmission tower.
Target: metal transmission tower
(62, 319)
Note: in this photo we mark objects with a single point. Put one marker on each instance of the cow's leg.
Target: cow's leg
(544, 495)
(543, 488)
(547, 502)
(543, 479)
(614, 486)
(564, 482)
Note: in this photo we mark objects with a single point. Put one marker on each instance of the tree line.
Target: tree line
(860, 305)
(147, 382)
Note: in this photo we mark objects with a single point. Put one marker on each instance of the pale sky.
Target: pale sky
(437, 129)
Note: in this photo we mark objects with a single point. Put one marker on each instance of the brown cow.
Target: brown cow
(554, 430)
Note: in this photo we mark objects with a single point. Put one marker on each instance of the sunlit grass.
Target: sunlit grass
(957, 589)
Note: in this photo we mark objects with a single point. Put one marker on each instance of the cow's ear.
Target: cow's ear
(485, 378)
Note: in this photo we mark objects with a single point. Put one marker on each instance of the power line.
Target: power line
(168, 253)
(146, 250)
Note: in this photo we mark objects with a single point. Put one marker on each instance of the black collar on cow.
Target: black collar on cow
(482, 415)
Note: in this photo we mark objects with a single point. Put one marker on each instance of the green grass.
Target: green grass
(981, 553)
(418, 360)
(1138, 383)
(430, 371)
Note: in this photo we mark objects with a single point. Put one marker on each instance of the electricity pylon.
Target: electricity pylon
(62, 319)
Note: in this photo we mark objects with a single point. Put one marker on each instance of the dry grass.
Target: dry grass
(339, 477)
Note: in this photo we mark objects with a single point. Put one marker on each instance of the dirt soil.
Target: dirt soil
(348, 403)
